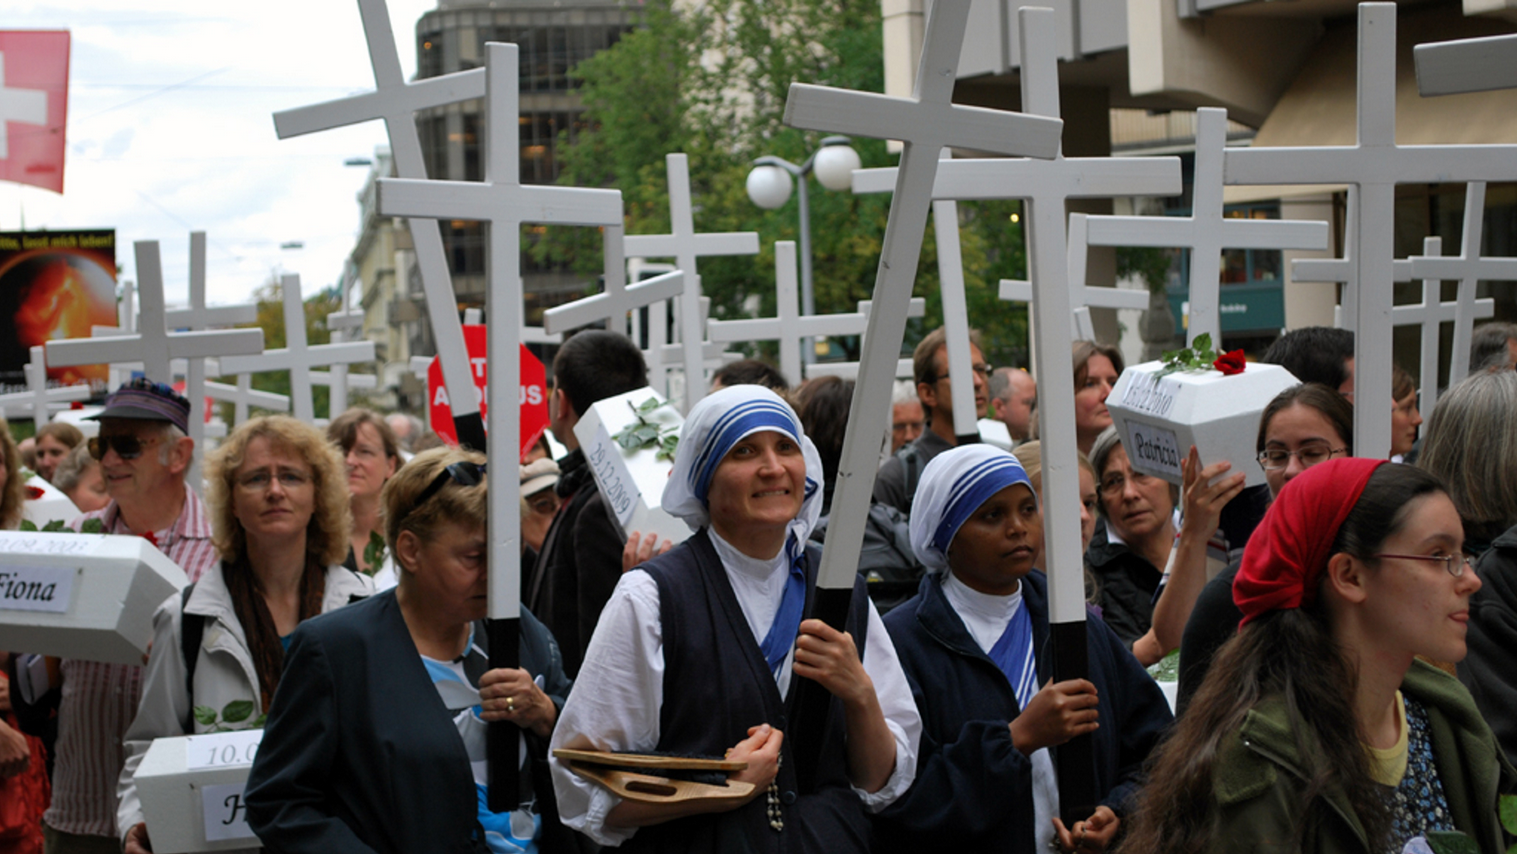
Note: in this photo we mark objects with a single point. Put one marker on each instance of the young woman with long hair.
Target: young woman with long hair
(1316, 730)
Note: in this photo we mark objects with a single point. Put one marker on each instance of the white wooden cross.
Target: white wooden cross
(1207, 230)
(1430, 314)
(1466, 65)
(153, 344)
(687, 247)
(338, 381)
(1081, 295)
(1006, 178)
(927, 122)
(397, 102)
(298, 356)
(1375, 164)
(619, 299)
(503, 202)
(1468, 267)
(660, 358)
(789, 327)
(242, 395)
(38, 400)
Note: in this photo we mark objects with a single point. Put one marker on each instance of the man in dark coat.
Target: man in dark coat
(581, 557)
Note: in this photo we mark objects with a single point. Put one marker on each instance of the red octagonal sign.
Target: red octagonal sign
(534, 392)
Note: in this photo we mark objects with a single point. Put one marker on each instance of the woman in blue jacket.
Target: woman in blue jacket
(972, 643)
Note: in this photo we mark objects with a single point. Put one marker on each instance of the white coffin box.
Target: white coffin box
(631, 482)
(191, 791)
(84, 596)
(1159, 418)
(51, 505)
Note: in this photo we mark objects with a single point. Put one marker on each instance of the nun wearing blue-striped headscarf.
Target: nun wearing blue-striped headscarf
(698, 649)
(974, 643)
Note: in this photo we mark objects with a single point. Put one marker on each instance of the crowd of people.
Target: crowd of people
(1343, 632)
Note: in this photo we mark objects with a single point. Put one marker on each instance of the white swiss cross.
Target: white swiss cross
(19, 105)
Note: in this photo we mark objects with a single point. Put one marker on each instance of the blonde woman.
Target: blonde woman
(278, 498)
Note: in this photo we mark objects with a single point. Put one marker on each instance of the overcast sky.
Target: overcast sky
(170, 130)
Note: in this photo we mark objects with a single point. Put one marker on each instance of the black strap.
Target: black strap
(191, 629)
(911, 465)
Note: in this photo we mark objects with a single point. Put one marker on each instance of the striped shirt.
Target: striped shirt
(99, 700)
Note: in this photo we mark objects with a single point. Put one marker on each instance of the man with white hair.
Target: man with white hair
(907, 418)
(1013, 394)
(144, 454)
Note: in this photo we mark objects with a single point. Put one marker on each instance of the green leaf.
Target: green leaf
(374, 552)
(1451, 842)
(260, 722)
(646, 433)
(55, 525)
(1508, 810)
(28, 525)
(205, 715)
(649, 405)
(1202, 342)
(237, 711)
(92, 526)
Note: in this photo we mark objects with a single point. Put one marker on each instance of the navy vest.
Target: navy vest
(716, 686)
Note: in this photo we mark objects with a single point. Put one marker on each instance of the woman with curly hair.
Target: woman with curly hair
(1316, 729)
(278, 496)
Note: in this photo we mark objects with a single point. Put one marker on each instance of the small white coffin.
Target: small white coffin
(191, 791)
(83, 596)
(631, 481)
(51, 505)
(1159, 418)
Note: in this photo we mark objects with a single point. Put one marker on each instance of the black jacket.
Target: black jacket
(1125, 585)
(361, 755)
(1489, 670)
(578, 566)
(973, 789)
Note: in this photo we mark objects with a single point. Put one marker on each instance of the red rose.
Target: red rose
(1230, 363)
(34, 492)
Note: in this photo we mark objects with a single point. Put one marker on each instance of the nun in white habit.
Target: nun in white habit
(698, 649)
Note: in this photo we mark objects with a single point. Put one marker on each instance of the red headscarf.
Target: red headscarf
(1288, 551)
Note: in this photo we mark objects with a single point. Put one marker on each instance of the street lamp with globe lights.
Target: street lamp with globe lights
(769, 186)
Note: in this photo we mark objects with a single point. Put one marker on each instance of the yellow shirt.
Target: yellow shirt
(1388, 765)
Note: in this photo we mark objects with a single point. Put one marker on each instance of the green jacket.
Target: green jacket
(1259, 777)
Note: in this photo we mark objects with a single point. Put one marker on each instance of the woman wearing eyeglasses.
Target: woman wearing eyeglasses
(1303, 426)
(279, 508)
(1316, 729)
(376, 740)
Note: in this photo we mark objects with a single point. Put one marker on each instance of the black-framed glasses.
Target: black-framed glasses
(1453, 564)
(462, 473)
(128, 446)
(1310, 454)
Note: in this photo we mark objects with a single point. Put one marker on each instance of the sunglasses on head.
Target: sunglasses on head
(128, 446)
(463, 474)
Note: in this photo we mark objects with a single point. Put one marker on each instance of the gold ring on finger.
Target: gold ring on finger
(510, 704)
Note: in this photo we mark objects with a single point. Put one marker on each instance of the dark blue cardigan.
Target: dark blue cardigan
(973, 789)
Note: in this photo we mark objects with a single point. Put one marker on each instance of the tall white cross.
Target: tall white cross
(1375, 164)
(152, 344)
(1430, 314)
(619, 299)
(38, 400)
(1081, 295)
(1468, 267)
(1207, 230)
(298, 356)
(686, 246)
(1466, 65)
(789, 327)
(1004, 178)
(503, 202)
(397, 102)
(24, 106)
(927, 122)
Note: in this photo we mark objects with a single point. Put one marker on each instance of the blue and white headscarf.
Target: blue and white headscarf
(953, 486)
(716, 423)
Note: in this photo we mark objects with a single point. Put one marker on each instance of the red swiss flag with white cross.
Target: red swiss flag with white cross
(33, 107)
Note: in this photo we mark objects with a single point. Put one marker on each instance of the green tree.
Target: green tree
(711, 82)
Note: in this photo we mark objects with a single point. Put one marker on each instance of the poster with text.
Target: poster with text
(54, 285)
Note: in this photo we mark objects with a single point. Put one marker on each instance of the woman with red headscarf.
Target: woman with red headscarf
(1316, 729)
